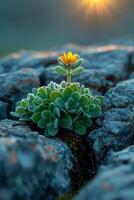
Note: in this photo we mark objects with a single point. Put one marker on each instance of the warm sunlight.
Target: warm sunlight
(98, 8)
(96, 4)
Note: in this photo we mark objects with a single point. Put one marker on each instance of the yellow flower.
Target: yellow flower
(69, 58)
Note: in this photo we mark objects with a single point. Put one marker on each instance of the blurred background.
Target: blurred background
(44, 24)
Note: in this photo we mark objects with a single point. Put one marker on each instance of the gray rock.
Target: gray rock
(115, 181)
(56, 149)
(120, 96)
(124, 157)
(115, 132)
(24, 170)
(131, 75)
(16, 85)
(116, 125)
(3, 110)
(111, 185)
(105, 66)
(27, 59)
(35, 60)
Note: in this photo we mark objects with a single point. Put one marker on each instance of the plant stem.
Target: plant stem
(69, 76)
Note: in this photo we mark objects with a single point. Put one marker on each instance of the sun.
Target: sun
(101, 9)
(96, 4)
(96, 1)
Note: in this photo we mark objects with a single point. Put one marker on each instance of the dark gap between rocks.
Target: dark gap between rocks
(84, 162)
(130, 66)
(42, 79)
(115, 81)
(8, 108)
(49, 63)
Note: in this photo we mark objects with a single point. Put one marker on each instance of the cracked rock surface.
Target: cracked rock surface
(114, 181)
(35, 167)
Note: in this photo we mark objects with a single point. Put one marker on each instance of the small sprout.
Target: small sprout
(70, 64)
(66, 105)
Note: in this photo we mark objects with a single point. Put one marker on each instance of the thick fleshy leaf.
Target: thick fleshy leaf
(18, 103)
(88, 115)
(86, 91)
(63, 84)
(80, 62)
(87, 122)
(30, 97)
(72, 111)
(14, 114)
(79, 110)
(57, 111)
(72, 103)
(67, 92)
(51, 106)
(60, 102)
(92, 107)
(84, 100)
(76, 97)
(75, 87)
(66, 106)
(24, 102)
(31, 108)
(80, 130)
(42, 92)
(97, 110)
(41, 123)
(26, 117)
(66, 121)
(60, 70)
(45, 101)
(54, 95)
(40, 108)
(101, 98)
(20, 110)
(37, 101)
(96, 101)
(45, 114)
(56, 123)
(78, 70)
(51, 131)
(36, 117)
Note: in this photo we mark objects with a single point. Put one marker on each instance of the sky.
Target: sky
(44, 24)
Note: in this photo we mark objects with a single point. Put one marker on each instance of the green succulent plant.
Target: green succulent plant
(66, 105)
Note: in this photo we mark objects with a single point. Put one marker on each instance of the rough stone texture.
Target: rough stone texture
(116, 125)
(3, 110)
(120, 96)
(57, 150)
(124, 157)
(116, 131)
(109, 71)
(24, 170)
(16, 85)
(27, 59)
(113, 182)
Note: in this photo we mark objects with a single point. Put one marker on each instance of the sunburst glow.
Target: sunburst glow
(98, 8)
